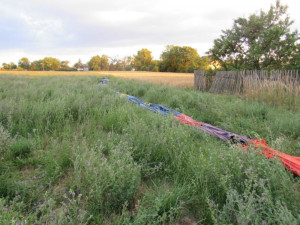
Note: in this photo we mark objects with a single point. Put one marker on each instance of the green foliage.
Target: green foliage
(45, 212)
(36, 65)
(163, 205)
(104, 65)
(5, 66)
(94, 63)
(107, 182)
(78, 65)
(5, 140)
(50, 63)
(182, 59)
(9, 66)
(99, 63)
(20, 148)
(143, 60)
(127, 63)
(65, 65)
(24, 63)
(261, 41)
(116, 65)
(86, 156)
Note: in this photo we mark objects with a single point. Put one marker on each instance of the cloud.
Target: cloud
(45, 27)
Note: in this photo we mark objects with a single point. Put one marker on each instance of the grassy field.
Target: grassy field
(179, 80)
(72, 152)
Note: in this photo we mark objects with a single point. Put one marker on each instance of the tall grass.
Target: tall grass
(280, 88)
(274, 92)
(73, 152)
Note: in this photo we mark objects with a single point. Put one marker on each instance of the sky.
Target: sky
(73, 29)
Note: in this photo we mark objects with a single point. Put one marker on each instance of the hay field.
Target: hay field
(179, 80)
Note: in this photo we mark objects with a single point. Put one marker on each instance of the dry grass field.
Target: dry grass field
(179, 80)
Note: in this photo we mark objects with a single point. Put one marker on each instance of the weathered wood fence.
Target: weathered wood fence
(239, 81)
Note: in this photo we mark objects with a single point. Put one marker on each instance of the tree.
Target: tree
(94, 63)
(154, 66)
(142, 60)
(262, 41)
(116, 65)
(65, 65)
(294, 63)
(181, 59)
(127, 63)
(24, 63)
(36, 65)
(104, 64)
(78, 64)
(6, 66)
(50, 63)
(13, 66)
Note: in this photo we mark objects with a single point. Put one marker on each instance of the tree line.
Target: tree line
(173, 59)
(263, 41)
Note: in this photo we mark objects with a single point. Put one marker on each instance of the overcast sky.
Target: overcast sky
(73, 29)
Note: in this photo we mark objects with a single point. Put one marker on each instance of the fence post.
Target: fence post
(199, 80)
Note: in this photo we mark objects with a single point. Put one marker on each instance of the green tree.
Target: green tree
(78, 64)
(13, 66)
(104, 64)
(50, 63)
(24, 63)
(6, 66)
(262, 41)
(294, 63)
(127, 63)
(154, 66)
(181, 59)
(36, 65)
(115, 65)
(142, 60)
(65, 65)
(94, 63)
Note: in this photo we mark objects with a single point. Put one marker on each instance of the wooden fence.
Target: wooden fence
(199, 80)
(241, 81)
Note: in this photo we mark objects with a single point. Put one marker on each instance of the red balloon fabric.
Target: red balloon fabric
(292, 163)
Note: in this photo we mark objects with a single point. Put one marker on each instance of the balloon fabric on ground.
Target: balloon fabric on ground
(292, 163)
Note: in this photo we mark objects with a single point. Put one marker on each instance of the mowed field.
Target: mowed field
(74, 152)
(179, 80)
